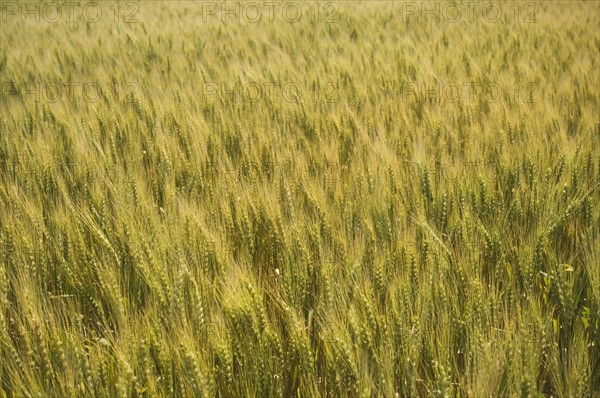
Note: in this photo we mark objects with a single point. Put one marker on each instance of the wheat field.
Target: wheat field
(300, 199)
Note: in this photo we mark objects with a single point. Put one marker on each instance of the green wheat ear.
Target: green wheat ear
(349, 238)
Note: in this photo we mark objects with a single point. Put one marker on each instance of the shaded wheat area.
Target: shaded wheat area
(352, 242)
